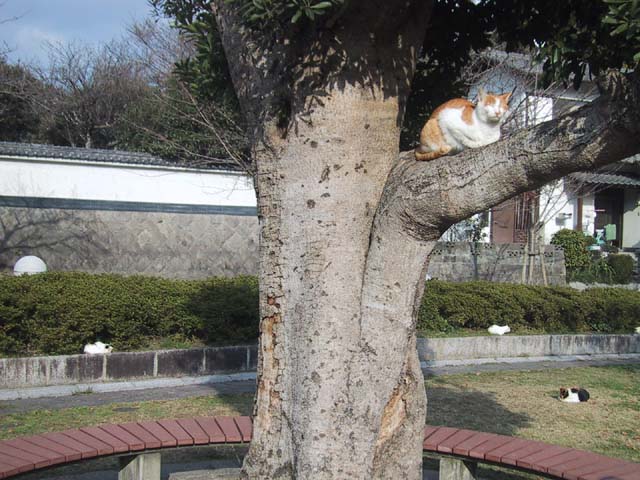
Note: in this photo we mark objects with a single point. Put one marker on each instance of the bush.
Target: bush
(598, 271)
(448, 307)
(622, 267)
(57, 313)
(574, 244)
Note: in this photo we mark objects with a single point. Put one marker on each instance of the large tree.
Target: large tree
(347, 223)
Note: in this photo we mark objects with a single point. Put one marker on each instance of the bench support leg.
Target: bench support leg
(140, 467)
(454, 469)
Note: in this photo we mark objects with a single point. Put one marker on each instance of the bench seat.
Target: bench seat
(468, 447)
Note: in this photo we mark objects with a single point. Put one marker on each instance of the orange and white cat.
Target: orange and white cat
(459, 124)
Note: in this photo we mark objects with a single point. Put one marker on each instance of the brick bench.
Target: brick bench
(139, 445)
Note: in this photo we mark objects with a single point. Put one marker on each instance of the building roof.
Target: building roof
(32, 150)
(624, 180)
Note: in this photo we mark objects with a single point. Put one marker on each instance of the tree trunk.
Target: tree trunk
(332, 396)
(346, 227)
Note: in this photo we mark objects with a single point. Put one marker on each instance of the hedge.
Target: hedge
(450, 306)
(57, 313)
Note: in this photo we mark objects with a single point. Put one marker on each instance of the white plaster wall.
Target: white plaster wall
(631, 219)
(537, 109)
(589, 214)
(90, 181)
(557, 210)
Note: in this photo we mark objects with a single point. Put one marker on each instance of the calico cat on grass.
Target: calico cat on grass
(459, 124)
(574, 394)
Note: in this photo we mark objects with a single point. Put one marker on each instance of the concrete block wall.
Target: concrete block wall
(123, 366)
(508, 346)
(509, 262)
(171, 245)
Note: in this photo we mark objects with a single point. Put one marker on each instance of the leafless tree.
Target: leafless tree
(158, 48)
(82, 91)
(4, 46)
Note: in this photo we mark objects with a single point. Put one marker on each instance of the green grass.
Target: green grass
(522, 404)
(525, 404)
(41, 421)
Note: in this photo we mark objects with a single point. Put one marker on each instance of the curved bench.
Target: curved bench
(139, 443)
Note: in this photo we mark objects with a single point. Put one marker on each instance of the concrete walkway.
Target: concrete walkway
(247, 386)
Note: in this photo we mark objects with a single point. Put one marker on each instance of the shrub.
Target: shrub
(622, 267)
(450, 306)
(574, 244)
(57, 313)
(598, 271)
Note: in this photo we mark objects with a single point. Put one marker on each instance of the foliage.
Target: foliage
(58, 313)
(622, 266)
(583, 266)
(173, 125)
(574, 244)
(267, 13)
(570, 39)
(573, 38)
(624, 18)
(205, 72)
(597, 271)
(450, 306)
(18, 122)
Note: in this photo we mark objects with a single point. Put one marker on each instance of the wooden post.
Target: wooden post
(140, 467)
(454, 469)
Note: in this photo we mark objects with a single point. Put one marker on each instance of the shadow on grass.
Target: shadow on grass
(467, 408)
(457, 407)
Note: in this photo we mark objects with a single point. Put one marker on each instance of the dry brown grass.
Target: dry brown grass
(525, 404)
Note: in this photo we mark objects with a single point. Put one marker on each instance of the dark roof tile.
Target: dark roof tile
(107, 156)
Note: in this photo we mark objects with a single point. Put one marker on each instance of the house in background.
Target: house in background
(121, 212)
(592, 202)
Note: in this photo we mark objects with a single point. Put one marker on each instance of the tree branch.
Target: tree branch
(252, 58)
(428, 197)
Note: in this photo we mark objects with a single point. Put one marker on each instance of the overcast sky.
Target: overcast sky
(86, 21)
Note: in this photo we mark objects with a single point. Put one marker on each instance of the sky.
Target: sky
(84, 21)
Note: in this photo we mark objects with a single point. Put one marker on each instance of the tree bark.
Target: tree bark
(319, 179)
(346, 229)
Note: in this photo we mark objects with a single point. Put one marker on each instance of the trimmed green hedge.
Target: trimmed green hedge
(57, 313)
(477, 305)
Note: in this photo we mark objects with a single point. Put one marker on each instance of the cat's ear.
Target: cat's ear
(506, 96)
(481, 94)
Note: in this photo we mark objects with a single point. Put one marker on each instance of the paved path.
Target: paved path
(248, 386)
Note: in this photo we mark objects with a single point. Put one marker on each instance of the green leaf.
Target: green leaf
(622, 28)
(296, 17)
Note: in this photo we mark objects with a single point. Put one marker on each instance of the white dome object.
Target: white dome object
(29, 265)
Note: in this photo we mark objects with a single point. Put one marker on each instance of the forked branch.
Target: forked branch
(428, 197)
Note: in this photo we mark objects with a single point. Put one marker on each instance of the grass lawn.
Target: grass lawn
(522, 403)
(41, 421)
(525, 404)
